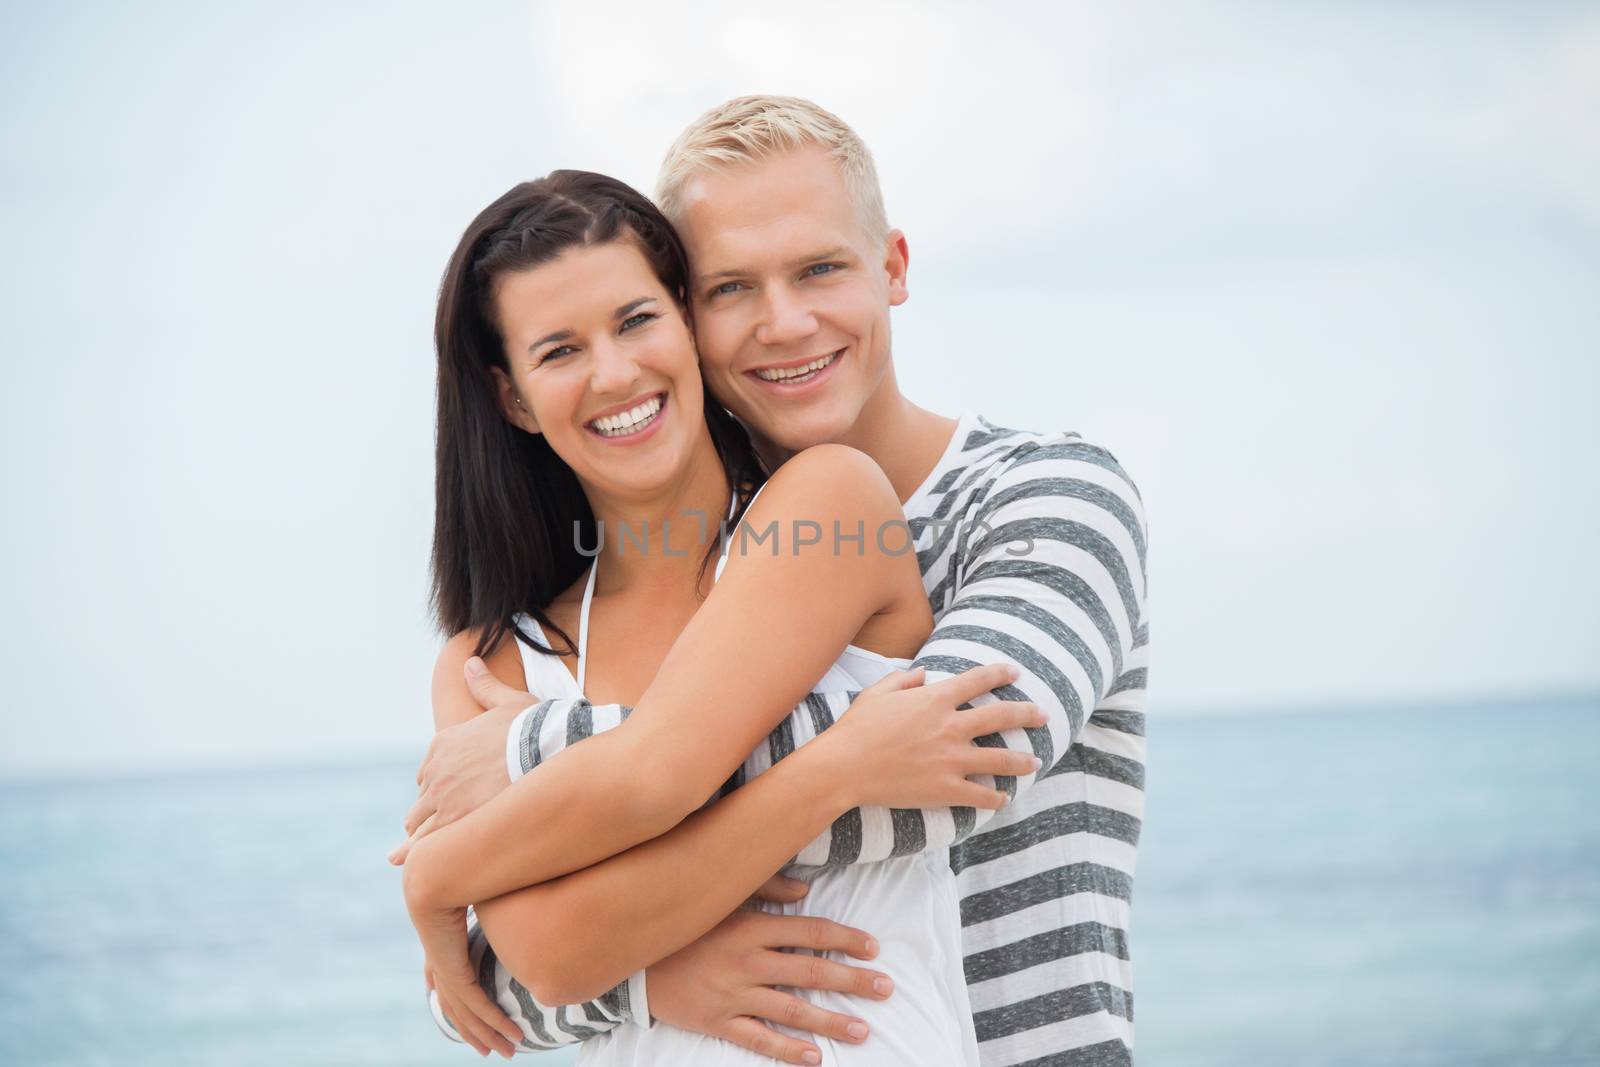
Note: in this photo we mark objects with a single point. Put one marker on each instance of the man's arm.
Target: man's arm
(1048, 570)
(551, 1024)
(566, 939)
(543, 1027)
(1049, 575)
(682, 729)
(577, 935)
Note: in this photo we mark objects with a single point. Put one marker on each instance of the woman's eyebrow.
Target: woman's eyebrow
(621, 313)
(559, 335)
(630, 307)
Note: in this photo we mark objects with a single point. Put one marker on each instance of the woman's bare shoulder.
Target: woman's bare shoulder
(452, 700)
(829, 481)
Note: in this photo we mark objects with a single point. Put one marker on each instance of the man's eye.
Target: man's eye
(820, 268)
(636, 320)
(725, 288)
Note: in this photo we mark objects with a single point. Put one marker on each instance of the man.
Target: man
(1032, 548)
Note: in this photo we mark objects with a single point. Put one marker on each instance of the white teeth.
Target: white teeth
(790, 374)
(631, 421)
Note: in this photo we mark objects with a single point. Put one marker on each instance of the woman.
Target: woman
(571, 403)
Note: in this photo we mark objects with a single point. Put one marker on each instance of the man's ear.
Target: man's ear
(896, 259)
(511, 405)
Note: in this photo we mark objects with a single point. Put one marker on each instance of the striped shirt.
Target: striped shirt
(1032, 549)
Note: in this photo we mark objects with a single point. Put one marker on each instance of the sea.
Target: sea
(1410, 885)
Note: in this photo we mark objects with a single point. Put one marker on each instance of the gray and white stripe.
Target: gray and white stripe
(1045, 883)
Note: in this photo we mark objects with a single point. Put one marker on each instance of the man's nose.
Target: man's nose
(785, 319)
(613, 370)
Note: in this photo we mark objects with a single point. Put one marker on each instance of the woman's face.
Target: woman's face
(603, 364)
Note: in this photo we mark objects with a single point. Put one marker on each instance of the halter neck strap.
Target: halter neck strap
(583, 623)
(588, 597)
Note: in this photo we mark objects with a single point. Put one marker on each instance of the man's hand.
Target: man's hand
(722, 984)
(447, 969)
(466, 764)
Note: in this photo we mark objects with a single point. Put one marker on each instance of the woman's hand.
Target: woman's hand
(903, 744)
(448, 967)
(465, 766)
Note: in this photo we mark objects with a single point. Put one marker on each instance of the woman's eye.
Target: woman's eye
(725, 288)
(558, 351)
(636, 320)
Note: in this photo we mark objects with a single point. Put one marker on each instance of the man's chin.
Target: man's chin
(817, 427)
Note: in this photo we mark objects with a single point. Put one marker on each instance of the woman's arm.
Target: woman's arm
(575, 937)
(707, 707)
(543, 1023)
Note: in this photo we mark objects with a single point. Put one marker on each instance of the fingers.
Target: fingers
(797, 1014)
(811, 931)
(426, 756)
(802, 971)
(898, 680)
(977, 681)
(475, 1021)
(999, 761)
(1000, 715)
(973, 795)
(761, 1039)
(461, 1021)
(781, 890)
(489, 1014)
(419, 811)
(429, 825)
(489, 691)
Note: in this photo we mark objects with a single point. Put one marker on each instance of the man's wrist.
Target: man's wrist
(638, 1000)
(514, 743)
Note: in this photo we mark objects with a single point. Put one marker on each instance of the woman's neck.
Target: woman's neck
(656, 544)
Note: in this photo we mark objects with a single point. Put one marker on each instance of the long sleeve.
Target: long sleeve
(549, 726)
(545, 1027)
(1043, 566)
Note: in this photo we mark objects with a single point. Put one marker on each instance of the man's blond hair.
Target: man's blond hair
(751, 128)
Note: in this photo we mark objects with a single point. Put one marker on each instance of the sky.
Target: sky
(1322, 277)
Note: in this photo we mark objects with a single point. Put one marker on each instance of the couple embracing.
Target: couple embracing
(781, 719)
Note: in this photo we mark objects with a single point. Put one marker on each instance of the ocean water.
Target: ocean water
(1414, 886)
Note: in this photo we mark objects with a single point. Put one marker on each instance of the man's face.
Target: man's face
(791, 297)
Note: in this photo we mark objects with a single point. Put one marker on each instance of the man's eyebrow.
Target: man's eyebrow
(799, 261)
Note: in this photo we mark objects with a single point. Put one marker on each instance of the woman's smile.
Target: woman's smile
(630, 424)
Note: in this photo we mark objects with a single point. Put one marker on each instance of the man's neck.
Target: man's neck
(905, 440)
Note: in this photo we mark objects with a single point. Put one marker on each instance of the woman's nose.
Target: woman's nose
(614, 369)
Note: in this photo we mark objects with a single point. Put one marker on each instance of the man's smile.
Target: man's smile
(787, 376)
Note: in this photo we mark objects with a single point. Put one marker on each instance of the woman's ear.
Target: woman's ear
(511, 405)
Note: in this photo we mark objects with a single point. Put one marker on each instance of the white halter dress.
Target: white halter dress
(908, 903)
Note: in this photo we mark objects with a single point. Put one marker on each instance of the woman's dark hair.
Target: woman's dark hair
(509, 513)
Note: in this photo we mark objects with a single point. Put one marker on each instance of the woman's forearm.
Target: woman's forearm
(571, 939)
(706, 708)
(572, 811)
